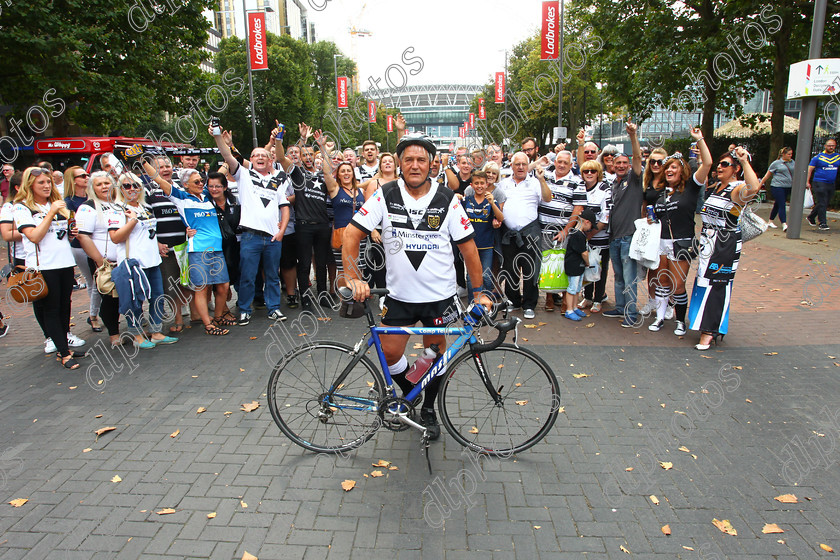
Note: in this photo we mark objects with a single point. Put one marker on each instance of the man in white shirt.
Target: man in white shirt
(521, 249)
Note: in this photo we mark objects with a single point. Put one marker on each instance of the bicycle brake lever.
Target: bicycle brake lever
(516, 335)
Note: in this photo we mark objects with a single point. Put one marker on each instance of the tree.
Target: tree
(110, 64)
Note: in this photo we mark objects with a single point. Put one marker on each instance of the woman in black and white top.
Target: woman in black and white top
(674, 203)
(41, 216)
(599, 200)
(92, 218)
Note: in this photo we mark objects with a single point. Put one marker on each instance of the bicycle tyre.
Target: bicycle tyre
(531, 400)
(296, 391)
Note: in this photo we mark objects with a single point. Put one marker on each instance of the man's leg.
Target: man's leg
(618, 274)
(271, 264)
(509, 253)
(250, 248)
(630, 270)
(530, 259)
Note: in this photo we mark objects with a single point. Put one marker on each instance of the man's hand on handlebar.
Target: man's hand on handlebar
(361, 290)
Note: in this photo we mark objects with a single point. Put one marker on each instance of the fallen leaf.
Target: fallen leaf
(561, 410)
(473, 430)
(98, 416)
(348, 485)
(787, 499)
(666, 465)
(590, 325)
(521, 403)
(666, 529)
(251, 406)
(684, 448)
(771, 528)
(105, 430)
(86, 450)
(531, 326)
(165, 511)
(826, 547)
(629, 469)
(393, 468)
(748, 400)
(654, 499)
(228, 413)
(695, 456)
(537, 526)
(679, 412)
(725, 526)
(541, 324)
(249, 556)
(381, 463)
(687, 547)
(517, 384)
(366, 475)
(253, 337)
(200, 410)
(377, 474)
(781, 541)
(243, 504)
(17, 502)
(579, 375)
(175, 433)
(771, 353)
(74, 387)
(241, 370)
(211, 515)
(662, 405)
(116, 478)
(622, 548)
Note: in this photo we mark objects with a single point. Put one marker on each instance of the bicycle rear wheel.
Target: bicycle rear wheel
(298, 397)
(528, 409)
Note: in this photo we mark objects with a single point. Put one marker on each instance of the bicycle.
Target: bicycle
(328, 397)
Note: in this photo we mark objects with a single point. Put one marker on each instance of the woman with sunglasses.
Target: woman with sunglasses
(676, 201)
(229, 213)
(346, 198)
(598, 199)
(75, 194)
(42, 218)
(134, 232)
(207, 268)
(92, 218)
(652, 180)
(720, 245)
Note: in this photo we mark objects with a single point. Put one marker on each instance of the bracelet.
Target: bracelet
(477, 289)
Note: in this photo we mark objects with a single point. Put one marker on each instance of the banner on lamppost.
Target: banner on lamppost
(256, 41)
(390, 123)
(472, 121)
(341, 91)
(500, 87)
(461, 132)
(550, 30)
(482, 113)
(371, 111)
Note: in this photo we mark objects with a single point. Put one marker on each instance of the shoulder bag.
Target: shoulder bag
(102, 274)
(27, 285)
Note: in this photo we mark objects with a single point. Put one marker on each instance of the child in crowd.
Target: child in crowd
(576, 261)
(485, 215)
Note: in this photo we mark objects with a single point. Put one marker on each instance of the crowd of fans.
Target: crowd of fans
(268, 228)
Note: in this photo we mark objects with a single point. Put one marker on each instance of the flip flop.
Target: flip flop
(177, 328)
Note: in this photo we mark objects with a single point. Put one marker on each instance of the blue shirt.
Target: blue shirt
(825, 167)
(200, 215)
(481, 216)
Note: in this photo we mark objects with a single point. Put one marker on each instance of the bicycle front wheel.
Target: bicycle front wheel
(530, 399)
(300, 403)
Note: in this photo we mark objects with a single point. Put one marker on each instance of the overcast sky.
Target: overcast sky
(459, 41)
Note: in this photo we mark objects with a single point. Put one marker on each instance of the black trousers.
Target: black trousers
(524, 261)
(317, 238)
(55, 308)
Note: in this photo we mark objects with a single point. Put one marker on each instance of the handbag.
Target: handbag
(27, 285)
(553, 277)
(102, 274)
(751, 225)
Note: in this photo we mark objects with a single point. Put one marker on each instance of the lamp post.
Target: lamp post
(335, 69)
(245, 11)
(600, 86)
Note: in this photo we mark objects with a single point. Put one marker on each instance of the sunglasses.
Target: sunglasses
(589, 171)
(131, 186)
(590, 151)
(82, 176)
(38, 171)
(725, 164)
(655, 162)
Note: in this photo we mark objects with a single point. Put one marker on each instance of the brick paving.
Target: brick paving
(756, 425)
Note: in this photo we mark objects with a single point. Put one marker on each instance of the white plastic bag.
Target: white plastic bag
(644, 247)
(592, 273)
(809, 200)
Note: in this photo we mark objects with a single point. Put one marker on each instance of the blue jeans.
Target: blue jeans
(780, 197)
(626, 273)
(134, 317)
(252, 246)
(486, 258)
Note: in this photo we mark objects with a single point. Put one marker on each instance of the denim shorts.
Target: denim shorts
(575, 284)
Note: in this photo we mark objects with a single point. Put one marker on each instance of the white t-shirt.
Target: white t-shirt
(142, 241)
(365, 173)
(7, 216)
(261, 197)
(89, 223)
(522, 201)
(54, 250)
(417, 236)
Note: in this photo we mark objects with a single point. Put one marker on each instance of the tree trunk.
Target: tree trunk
(708, 123)
(780, 76)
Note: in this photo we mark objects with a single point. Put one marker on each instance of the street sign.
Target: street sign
(814, 78)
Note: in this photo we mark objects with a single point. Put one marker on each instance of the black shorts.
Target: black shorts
(288, 254)
(434, 314)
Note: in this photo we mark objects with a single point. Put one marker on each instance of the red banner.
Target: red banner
(390, 123)
(482, 113)
(472, 121)
(500, 87)
(550, 30)
(341, 91)
(256, 41)
(371, 111)
(461, 132)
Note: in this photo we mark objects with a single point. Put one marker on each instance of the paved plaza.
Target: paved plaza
(737, 426)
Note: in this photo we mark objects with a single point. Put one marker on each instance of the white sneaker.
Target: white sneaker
(656, 325)
(680, 330)
(74, 341)
(528, 313)
(49, 346)
(669, 313)
(784, 227)
(771, 225)
(649, 307)
(276, 315)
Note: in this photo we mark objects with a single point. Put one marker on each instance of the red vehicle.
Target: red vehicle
(84, 151)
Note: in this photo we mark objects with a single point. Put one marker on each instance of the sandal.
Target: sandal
(69, 363)
(92, 327)
(212, 329)
(230, 317)
(72, 354)
(176, 328)
(223, 322)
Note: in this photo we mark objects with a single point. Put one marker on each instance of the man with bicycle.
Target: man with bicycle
(420, 221)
